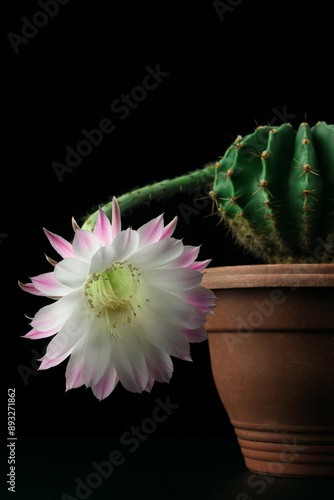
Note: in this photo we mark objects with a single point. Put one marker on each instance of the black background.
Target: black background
(257, 62)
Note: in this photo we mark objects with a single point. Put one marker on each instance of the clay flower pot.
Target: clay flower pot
(271, 341)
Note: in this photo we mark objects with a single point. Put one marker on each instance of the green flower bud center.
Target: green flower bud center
(114, 295)
(113, 288)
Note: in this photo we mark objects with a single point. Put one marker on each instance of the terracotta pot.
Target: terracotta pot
(271, 341)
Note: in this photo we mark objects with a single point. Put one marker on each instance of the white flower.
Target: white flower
(125, 301)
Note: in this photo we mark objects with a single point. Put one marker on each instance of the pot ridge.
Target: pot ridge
(269, 275)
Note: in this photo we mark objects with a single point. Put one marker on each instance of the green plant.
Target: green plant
(273, 188)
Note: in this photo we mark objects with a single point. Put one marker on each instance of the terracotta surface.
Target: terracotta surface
(270, 275)
(271, 342)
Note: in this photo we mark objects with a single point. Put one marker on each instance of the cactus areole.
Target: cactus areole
(274, 188)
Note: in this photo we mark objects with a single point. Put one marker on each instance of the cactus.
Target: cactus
(274, 189)
(158, 191)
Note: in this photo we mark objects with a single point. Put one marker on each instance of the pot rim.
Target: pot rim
(269, 275)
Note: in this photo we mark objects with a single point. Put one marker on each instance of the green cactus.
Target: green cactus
(274, 189)
(158, 191)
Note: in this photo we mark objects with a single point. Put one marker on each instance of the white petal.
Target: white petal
(187, 257)
(172, 279)
(103, 258)
(163, 334)
(107, 384)
(199, 297)
(157, 254)
(55, 315)
(125, 244)
(85, 244)
(73, 330)
(72, 272)
(198, 320)
(159, 363)
(167, 305)
(74, 367)
(97, 352)
(196, 334)
(35, 334)
(149, 384)
(128, 358)
(47, 284)
(50, 363)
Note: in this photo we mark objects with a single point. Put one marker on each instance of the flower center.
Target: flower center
(113, 294)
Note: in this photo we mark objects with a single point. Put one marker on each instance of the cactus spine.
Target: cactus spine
(274, 189)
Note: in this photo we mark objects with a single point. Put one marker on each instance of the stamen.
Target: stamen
(113, 295)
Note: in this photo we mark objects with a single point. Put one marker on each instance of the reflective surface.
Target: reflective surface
(157, 468)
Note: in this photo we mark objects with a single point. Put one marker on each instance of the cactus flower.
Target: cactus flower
(125, 301)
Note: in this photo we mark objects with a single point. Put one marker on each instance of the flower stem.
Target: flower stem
(158, 191)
